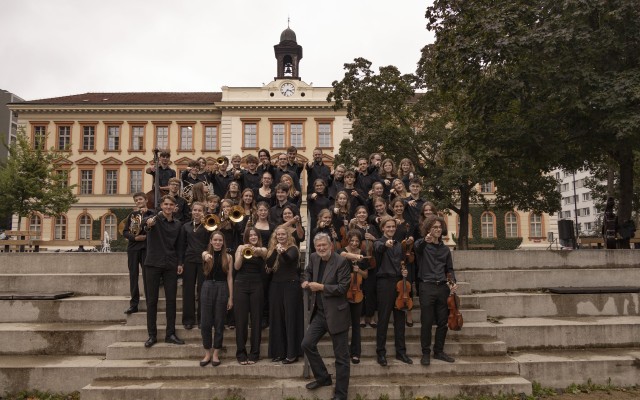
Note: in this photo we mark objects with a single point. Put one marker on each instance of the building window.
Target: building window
(84, 227)
(60, 228)
(586, 196)
(250, 136)
(511, 225)
(88, 138)
(486, 187)
(587, 226)
(586, 211)
(558, 175)
(296, 138)
(567, 214)
(86, 181)
(535, 225)
(64, 137)
(137, 138)
(111, 181)
(111, 226)
(277, 135)
(211, 138)
(35, 225)
(39, 137)
(565, 187)
(186, 138)
(162, 137)
(324, 134)
(113, 138)
(287, 133)
(135, 181)
(64, 180)
(487, 224)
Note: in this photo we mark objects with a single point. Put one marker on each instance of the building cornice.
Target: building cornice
(123, 109)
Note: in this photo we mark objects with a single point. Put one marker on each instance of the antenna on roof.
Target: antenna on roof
(288, 21)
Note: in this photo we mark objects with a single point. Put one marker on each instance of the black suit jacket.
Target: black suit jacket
(336, 280)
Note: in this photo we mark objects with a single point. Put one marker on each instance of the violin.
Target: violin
(455, 321)
(354, 293)
(367, 249)
(344, 241)
(404, 302)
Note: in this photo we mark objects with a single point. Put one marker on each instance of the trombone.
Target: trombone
(211, 222)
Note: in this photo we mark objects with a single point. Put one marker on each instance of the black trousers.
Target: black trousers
(386, 292)
(192, 275)
(214, 297)
(369, 290)
(286, 327)
(355, 349)
(266, 284)
(247, 300)
(170, 282)
(316, 330)
(135, 262)
(433, 306)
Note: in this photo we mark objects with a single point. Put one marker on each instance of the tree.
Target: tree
(29, 182)
(563, 76)
(433, 131)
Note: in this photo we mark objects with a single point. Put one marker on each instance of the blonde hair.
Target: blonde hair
(273, 241)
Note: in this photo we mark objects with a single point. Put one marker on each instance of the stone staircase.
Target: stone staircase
(86, 342)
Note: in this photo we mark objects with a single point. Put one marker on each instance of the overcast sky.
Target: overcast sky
(55, 48)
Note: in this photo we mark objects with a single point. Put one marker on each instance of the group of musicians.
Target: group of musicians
(233, 234)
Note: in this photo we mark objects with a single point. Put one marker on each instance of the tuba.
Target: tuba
(211, 222)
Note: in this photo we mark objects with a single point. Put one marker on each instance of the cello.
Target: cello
(404, 302)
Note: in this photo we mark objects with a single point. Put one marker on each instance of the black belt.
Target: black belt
(438, 283)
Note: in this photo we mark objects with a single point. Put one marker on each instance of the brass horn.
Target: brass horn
(237, 214)
(247, 253)
(211, 222)
(220, 160)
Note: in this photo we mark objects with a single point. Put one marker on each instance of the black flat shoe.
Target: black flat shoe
(288, 361)
(404, 358)
(409, 324)
(188, 327)
(277, 359)
(355, 360)
(173, 339)
(150, 342)
(131, 310)
(215, 363)
(425, 360)
(373, 324)
(318, 384)
(382, 360)
(444, 357)
(203, 363)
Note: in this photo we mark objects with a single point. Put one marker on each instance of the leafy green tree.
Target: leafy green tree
(29, 182)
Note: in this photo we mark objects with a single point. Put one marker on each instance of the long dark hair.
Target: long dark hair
(208, 265)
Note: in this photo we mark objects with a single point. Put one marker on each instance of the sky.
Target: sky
(54, 48)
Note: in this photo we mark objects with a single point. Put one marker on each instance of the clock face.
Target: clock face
(287, 89)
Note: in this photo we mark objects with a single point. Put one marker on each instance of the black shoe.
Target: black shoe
(288, 361)
(173, 339)
(382, 360)
(317, 384)
(188, 326)
(277, 359)
(131, 310)
(444, 357)
(425, 360)
(215, 363)
(355, 360)
(203, 363)
(404, 358)
(150, 342)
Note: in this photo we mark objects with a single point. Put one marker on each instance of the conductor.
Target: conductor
(328, 277)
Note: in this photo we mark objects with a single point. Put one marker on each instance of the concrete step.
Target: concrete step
(519, 279)
(165, 369)
(522, 304)
(567, 332)
(560, 368)
(71, 263)
(93, 284)
(469, 315)
(51, 373)
(454, 345)
(392, 388)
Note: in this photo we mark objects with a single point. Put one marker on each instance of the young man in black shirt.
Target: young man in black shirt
(165, 172)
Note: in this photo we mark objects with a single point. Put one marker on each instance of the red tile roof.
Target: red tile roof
(157, 98)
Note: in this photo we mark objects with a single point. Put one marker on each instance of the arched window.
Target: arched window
(487, 222)
(511, 225)
(84, 227)
(60, 228)
(110, 223)
(35, 225)
(535, 225)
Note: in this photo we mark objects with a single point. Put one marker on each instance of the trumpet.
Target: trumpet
(220, 160)
(247, 253)
(211, 222)
(237, 214)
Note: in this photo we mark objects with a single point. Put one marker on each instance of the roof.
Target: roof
(288, 35)
(156, 98)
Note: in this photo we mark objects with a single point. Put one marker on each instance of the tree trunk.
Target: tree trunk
(625, 162)
(463, 235)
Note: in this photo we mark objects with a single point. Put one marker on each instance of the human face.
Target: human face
(140, 201)
(323, 248)
(234, 188)
(217, 241)
(317, 156)
(286, 179)
(281, 236)
(282, 161)
(405, 167)
(173, 187)
(398, 186)
(319, 187)
(349, 180)
(212, 205)
(197, 212)
(339, 173)
(414, 188)
(361, 215)
(267, 179)
(378, 189)
(354, 242)
(226, 207)
(436, 230)
(262, 156)
(362, 165)
(281, 195)
(193, 170)
(253, 237)
(164, 160)
(247, 197)
(427, 211)
(387, 167)
(263, 212)
(202, 163)
(379, 207)
(389, 229)
(287, 215)
(168, 207)
(376, 159)
(326, 219)
(252, 166)
(291, 155)
(398, 208)
(341, 200)
(236, 161)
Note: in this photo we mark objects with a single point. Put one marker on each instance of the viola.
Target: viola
(354, 293)
(404, 302)
(455, 321)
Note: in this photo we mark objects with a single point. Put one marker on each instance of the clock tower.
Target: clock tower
(288, 54)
